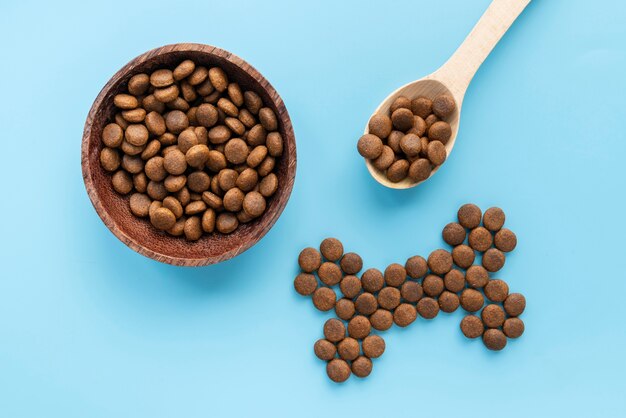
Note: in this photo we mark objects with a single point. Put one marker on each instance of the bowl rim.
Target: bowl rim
(290, 154)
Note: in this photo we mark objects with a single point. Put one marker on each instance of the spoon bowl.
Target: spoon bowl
(454, 76)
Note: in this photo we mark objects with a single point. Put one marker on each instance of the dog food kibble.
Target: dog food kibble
(494, 339)
(181, 129)
(496, 290)
(309, 260)
(513, 327)
(440, 261)
(404, 314)
(351, 263)
(505, 240)
(372, 280)
(472, 300)
(493, 260)
(348, 349)
(453, 234)
(395, 275)
(324, 299)
(305, 284)
(338, 370)
(381, 320)
(359, 327)
(395, 141)
(428, 308)
(362, 366)
(334, 330)
(324, 350)
(344, 308)
(329, 273)
(366, 304)
(492, 316)
(471, 326)
(477, 276)
(443, 282)
(493, 219)
(515, 304)
(469, 216)
(331, 249)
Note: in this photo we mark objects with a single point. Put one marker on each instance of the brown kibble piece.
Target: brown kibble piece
(380, 125)
(373, 346)
(477, 276)
(209, 218)
(411, 291)
(492, 316)
(453, 234)
(359, 327)
(463, 256)
(472, 326)
(420, 169)
(175, 162)
(254, 204)
(331, 249)
(366, 304)
(247, 180)
(372, 280)
(433, 285)
(410, 145)
(402, 119)
(493, 219)
(198, 181)
(184, 69)
(197, 156)
(404, 314)
(125, 101)
(515, 304)
(400, 102)
(350, 286)
(440, 131)
(496, 290)
(472, 300)
(324, 299)
(193, 228)
(334, 330)
(269, 185)
(338, 370)
(348, 349)
(309, 260)
(389, 298)
(324, 349)
(436, 152)
(218, 78)
(494, 339)
(416, 267)
(448, 301)
(443, 106)
(139, 204)
(122, 182)
(393, 141)
(398, 171)
(421, 107)
(162, 218)
(454, 281)
(236, 151)
(381, 320)
(428, 308)
(395, 275)
(480, 239)
(112, 135)
(440, 261)
(351, 263)
(138, 84)
(305, 284)
(344, 308)
(505, 240)
(513, 327)
(329, 273)
(493, 259)
(469, 215)
(226, 223)
(370, 146)
(174, 205)
(362, 367)
(110, 159)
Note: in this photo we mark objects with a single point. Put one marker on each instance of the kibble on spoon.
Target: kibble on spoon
(430, 108)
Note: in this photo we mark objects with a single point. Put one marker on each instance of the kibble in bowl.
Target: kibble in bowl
(188, 155)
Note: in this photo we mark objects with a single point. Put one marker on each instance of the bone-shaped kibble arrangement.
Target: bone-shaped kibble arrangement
(443, 282)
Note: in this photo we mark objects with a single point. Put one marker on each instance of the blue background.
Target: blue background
(88, 328)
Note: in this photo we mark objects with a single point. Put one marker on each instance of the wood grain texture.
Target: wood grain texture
(113, 209)
(455, 75)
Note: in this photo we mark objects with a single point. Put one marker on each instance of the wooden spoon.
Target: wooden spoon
(455, 75)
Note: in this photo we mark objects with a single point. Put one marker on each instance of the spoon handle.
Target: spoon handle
(459, 70)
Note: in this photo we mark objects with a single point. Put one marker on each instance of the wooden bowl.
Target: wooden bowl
(113, 209)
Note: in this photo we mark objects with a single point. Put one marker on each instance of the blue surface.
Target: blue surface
(88, 328)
